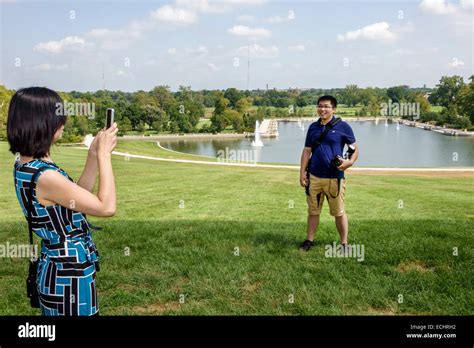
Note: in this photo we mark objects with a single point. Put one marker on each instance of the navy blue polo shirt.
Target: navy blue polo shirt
(332, 145)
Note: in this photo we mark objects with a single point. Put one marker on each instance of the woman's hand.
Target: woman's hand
(93, 146)
(106, 141)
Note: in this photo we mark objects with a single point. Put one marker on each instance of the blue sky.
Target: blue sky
(66, 45)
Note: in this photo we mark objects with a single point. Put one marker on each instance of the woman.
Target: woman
(69, 259)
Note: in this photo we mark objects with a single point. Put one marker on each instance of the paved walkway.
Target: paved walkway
(464, 171)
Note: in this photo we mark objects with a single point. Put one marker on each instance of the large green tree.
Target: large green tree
(219, 120)
(233, 95)
(465, 100)
(447, 90)
(5, 96)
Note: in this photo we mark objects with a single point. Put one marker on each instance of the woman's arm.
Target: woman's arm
(89, 174)
(53, 187)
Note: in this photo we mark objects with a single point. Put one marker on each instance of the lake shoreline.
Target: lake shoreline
(274, 132)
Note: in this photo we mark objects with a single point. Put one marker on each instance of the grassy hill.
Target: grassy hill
(226, 239)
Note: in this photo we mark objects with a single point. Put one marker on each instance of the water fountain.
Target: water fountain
(386, 122)
(398, 126)
(257, 141)
(301, 125)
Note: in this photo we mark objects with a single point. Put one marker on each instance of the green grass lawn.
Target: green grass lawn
(151, 148)
(190, 251)
(204, 122)
(436, 108)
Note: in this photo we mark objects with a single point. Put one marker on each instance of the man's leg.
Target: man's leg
(342, 227)
(336, 192)
(313, 222)
(314, 201)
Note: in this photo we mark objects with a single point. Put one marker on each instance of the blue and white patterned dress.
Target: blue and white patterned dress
(69, 258)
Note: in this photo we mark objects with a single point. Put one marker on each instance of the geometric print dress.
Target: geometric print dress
(69, 259)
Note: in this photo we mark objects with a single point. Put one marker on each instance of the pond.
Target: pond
(381, 145)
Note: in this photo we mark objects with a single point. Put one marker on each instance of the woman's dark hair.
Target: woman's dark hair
(33, 119)
(328, 98)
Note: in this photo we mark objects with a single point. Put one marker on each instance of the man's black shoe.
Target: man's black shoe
(306, 245)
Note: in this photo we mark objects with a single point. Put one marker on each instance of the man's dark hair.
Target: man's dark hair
(33, 120)
(328, 98)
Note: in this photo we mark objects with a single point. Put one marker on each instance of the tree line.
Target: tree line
(161, 110)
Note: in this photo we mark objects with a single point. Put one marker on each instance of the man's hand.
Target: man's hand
(345, 164)
(303, 180)
(305, 157)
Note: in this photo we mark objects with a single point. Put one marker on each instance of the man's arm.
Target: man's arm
(305, 156)
(349, 162)
(355, 155)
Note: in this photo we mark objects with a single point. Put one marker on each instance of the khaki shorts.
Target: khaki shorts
(324, 187)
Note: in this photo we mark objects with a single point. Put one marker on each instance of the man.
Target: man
(326, 179)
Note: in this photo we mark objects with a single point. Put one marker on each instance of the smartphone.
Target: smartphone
(110, 118)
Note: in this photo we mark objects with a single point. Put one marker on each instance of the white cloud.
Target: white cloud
(252, 33)
(171, 50)
(297, 48)
(215, 6)
(258, 51)
(439, 7)
(198, 5)
(376, 32)
(456, 63)
(459, 15)
(467, 4)
(181, 12)
(54, 47)
(174, 15)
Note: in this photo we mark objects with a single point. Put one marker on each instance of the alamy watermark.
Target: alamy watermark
(352, 250)
(237, 156)
(76, 109)
(400, 109)
(37, 331)
(18, 250)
